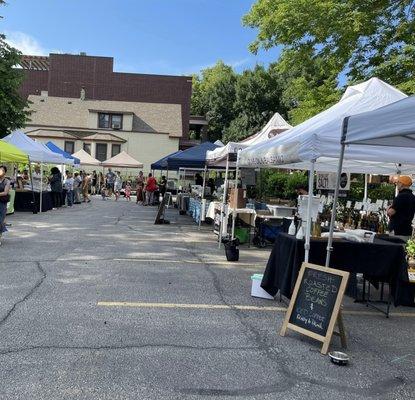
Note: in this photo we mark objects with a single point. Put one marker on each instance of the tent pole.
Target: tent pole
(235, 187)
(225, 193)
(365, 193)
(31, 183)
(336, 192)
(203, 196)
(41, 187)
(309, 208)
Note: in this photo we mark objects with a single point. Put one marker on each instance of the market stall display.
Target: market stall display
(86, 159)
(27, 200)
(380, 261)
(122, 160)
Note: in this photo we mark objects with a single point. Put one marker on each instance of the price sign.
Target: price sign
(327, 181)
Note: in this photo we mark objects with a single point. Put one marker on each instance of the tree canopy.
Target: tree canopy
(360, 38)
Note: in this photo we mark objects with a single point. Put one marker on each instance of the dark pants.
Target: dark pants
(57, 199)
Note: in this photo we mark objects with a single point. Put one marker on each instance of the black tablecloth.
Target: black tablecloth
(24, 201)
(379, 261)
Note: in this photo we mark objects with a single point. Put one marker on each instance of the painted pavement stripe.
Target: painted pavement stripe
(229, 307)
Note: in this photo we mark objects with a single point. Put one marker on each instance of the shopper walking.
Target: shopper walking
(128, 191)
(55, 181)
(117, 185)
(110, 181)
(4, 199)
(68, 184)
(77, 182)
(94, 182)
(139, 187)
(150, 188)
(85, 187)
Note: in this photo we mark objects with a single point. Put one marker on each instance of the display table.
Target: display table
(379, 261)
(10, 204)
(195, 209)
(24, 201)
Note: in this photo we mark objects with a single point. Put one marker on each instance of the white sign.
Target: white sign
(327, 181)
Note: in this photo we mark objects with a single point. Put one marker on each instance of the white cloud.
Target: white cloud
(27, 44)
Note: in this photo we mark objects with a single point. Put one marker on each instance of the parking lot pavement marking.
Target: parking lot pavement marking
(229, 307)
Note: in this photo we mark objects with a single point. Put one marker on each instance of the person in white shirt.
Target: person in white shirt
(117, 185)
(68, 184)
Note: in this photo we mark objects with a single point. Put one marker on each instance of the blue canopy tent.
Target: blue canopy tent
(195, 157)
(52, 146)
(162, 163)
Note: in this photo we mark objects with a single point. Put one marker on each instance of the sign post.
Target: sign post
(315, 304)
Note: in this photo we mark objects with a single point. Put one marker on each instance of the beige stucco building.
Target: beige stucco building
(79, 102)
(103, 128)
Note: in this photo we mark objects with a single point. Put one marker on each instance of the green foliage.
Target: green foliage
(281, 184)
(237, 105)
(12, 106)
(410, 248)
(214, 95)
(361, 37)
(376, 191)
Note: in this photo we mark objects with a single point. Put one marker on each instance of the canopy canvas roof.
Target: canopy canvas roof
(36, 151)
(318, 138)
(122, 160)
(274, 126)
(162, 163)
(85, 158)
(10, 153)
(56, 149)
(195, 157)
(391, 126)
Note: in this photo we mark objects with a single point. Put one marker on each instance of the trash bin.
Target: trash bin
(232, 250)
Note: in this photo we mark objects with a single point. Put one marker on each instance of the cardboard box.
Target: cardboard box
(237, 198)
(256, 289)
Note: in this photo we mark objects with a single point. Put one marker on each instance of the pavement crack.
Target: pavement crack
(27, 295)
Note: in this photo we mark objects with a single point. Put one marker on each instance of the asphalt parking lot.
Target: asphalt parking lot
(97, 302)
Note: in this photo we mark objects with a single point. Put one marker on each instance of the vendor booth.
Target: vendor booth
(32, 198)
(56, 149)
(122, 160)
(314, 145)
(86, 159)
(11, 154)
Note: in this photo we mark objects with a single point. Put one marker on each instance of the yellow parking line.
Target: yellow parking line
(228, 307)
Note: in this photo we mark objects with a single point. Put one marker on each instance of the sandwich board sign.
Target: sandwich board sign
(315, 304)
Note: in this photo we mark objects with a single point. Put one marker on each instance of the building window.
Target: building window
(116, 121)
(87, 147)
(69, 147)
(101, 151)
(116, 149)
(107, 121)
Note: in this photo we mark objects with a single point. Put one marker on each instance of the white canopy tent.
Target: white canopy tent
(315, 144)
(85, 158)
(318, 138)
(390, 128)
(226, 156)
(37, 152)
(122, 160)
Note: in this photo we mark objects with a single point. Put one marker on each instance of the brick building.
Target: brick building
(78, 101)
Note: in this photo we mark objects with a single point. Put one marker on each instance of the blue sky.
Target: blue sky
(149, 36)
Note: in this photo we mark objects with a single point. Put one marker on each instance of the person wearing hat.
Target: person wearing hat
(402, 211)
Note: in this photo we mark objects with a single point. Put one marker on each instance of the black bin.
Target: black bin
(232, 250)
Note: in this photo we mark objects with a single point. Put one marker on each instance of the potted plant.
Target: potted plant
(410, 251)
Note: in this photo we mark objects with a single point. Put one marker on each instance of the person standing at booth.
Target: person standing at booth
(150, 188)
(402, 211)
(4, 199)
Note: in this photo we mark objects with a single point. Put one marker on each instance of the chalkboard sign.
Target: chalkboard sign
(160, 212)
(315, 305)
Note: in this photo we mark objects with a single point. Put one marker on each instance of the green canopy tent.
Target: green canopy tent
(11, 154)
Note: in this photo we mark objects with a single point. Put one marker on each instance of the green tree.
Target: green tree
(12, 107)
(258, 94)
(214, 96)
(359, 37)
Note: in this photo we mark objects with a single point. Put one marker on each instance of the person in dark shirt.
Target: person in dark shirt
(402, 211)
(198, 180)
(163, 185)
